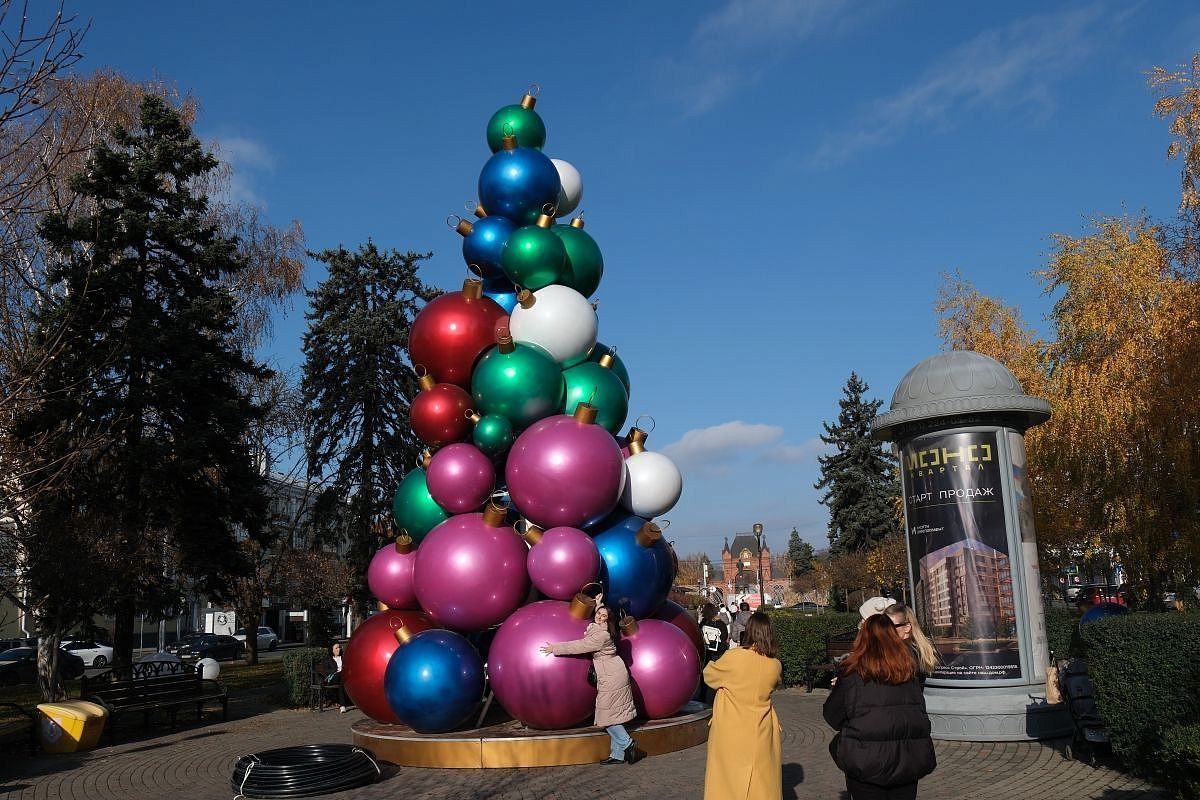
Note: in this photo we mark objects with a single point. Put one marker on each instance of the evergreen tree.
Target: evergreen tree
(141, 417)
(859, 478)
(800, 555)
(357, 386)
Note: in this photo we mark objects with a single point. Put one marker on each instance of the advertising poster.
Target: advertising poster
(958, 543)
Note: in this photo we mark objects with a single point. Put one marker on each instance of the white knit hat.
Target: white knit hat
(875, 605)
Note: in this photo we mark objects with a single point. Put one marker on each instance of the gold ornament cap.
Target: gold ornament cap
(586, 413)
(606, 361)
(473, 415)
(426, 382)
(504, 340)
(509, 142)
(472, 288)
(380, 605)
(404, 543)
(532, 534)
(637, 441)
(425, 458)
(403, 633)
(494, 514)
(649, 534)
(464, 227)
(528, 101)
(629, 625)
(544, 221)
(479, 211)
(577, 222)
(583, 606)
(526, 299)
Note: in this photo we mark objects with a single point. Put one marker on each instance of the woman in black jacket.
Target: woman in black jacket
(878, 709)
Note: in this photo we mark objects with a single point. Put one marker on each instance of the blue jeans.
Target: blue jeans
(620, 740)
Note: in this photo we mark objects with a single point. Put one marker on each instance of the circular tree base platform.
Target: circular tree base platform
(508, 743)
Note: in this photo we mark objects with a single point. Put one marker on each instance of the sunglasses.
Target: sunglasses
(901, 624)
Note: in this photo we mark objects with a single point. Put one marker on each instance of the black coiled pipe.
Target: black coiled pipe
(304, 771)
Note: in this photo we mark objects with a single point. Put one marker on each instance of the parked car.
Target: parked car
(206, 645)
(1096, 594)
(267, 640)
(806, 607)
(19, 665)
(92, 653)
(9, 644)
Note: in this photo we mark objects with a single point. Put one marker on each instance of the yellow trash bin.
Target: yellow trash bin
(70, 725)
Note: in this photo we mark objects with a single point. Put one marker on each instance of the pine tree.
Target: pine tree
(357, 386)
(859, 477)
(142, 408)
(800, 555)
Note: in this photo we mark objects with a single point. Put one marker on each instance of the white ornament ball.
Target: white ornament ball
(561, 321)
(652, 484)
(208, 668)
(572, 187)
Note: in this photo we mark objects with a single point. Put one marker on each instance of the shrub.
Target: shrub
(802, 639)
(1060, 624)
(297, 674)
(1146, 668)
(1179, 765)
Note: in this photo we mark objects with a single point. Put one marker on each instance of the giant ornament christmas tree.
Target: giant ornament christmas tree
(526, 503)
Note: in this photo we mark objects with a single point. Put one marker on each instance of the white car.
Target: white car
(93, 654)
(267, 640)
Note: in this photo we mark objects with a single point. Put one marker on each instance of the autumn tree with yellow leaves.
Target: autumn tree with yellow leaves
(1117, 468)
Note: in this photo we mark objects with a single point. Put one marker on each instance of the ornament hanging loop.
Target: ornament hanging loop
(638, 422)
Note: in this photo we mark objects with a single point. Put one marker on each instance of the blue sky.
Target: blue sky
(776, 185)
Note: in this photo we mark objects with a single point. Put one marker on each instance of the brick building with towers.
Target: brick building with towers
(740, 560)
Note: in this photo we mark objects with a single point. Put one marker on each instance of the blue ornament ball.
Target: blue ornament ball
(636, 575)
(501, 290)
(434, 681)
(518, 184)
(484, 244)
(1102, 611)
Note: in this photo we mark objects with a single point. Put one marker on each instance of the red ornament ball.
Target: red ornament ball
(438, 414)
(450, 334)
(366, 657)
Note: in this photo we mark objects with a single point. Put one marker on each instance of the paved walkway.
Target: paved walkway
(197, 762)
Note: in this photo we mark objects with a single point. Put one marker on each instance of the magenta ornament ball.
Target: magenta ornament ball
(390, 577)
(541, 690)
(664, 667)
(470, 575)
(562, 562)
(460, 478)
(562, 471)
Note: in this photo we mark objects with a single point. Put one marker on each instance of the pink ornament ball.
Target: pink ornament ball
(390, 576)
(541, 690)
(366, 657)
(470, 574)
(565, 472)
(460, 478)
(562, 562)
(664, 667)
(681, 618)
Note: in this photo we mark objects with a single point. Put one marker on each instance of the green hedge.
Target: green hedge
(297, 674)
(1146, 668)
(1060, 624)
(802, 638)
(1179, 767)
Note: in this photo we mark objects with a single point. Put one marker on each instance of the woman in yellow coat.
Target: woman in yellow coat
(745, 749)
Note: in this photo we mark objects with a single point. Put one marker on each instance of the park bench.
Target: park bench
(145, 688)
(17, 727)
(837, 647)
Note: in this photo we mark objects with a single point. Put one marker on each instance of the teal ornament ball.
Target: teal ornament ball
(534, 257)
(597, 385)
(519, 121)
(413, 507)
(493, 434)
(519, 382)
(584, 263)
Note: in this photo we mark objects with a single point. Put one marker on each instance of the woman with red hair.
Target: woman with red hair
(878, 710)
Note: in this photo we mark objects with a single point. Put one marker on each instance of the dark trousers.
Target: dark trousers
(336, 680)
(869, 791)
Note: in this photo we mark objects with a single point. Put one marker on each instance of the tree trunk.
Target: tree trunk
(123, 633)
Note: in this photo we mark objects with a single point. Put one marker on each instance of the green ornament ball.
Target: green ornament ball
(523, 123)
(413, 507)
(601, 350)
(599, 386)
(584, 264)
(523, 385)
(493, 435)
(534, 257)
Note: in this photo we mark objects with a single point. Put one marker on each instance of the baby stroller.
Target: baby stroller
(1090, 741)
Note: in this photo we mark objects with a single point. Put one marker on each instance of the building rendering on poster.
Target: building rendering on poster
(958, 543)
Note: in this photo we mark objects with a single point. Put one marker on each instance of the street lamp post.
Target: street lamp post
(762, 593)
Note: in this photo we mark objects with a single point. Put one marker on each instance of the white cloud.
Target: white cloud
(788, 453)
(1004, 68)
(710, 451)
(753, 23)
(247, 159)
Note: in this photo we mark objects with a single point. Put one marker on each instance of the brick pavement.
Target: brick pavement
(196, 762)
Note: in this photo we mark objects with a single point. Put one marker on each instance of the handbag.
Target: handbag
(591, 678)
